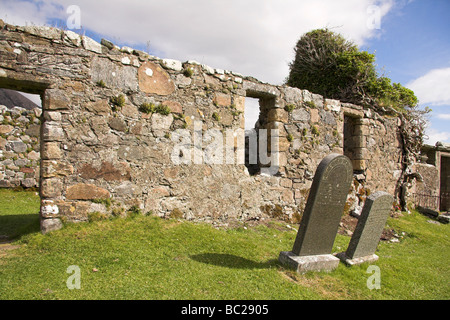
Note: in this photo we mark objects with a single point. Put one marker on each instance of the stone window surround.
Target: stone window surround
(271, 116)
(360, 133)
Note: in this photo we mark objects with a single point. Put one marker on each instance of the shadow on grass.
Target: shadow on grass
(13, 227)
(232, 261)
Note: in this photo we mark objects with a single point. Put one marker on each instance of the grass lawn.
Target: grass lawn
(19, 213)
(152, 258)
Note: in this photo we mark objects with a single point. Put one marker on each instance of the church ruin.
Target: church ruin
(112, 118)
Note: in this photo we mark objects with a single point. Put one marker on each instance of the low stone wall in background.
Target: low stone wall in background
(19, 147)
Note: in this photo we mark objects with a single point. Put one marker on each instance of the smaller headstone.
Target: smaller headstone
(321, 218)
(368, 231)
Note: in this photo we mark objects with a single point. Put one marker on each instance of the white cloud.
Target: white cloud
(443, 116)
(253, 37)
(435, 136)
(25, 13)
(433, 88)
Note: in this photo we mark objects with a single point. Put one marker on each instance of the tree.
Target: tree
(327, 64)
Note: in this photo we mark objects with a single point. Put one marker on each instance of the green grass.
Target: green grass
(152, 258)
(19, 213)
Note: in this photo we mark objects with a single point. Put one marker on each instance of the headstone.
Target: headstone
(321, 218)
(368, 231)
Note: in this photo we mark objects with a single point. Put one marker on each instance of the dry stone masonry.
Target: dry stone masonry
(19, 147)
(112, 119)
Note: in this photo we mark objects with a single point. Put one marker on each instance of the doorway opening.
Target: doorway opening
(445, 184)
(20, 127)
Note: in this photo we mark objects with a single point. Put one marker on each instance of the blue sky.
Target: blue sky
(257, 37)
(414, 43)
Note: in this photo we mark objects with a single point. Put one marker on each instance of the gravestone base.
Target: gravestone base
(303, 264)
(356, 261)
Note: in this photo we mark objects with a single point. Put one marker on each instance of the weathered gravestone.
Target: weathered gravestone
(320, 222)
(368, 231)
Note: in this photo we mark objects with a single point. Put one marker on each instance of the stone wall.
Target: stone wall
(431, 189)
(19, 147)
(115, 120)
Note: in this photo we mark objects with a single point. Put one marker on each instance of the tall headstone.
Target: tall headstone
(368, 231)
(320, 222)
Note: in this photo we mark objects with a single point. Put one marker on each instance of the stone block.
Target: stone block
(51, 151)
(154, 80)
(175, 107)
(55, 100)
(318, 100)
(51, 188)
(2, 144)
(278, 115)
(303, 264)
(16, 146)
(99, 107)
(71, 37)
(34, 130)
(260, 89)
(361, 130)
(352, 112)
(115, 76)
(49, 225)
(161, 122)
(82, 191)
(222, 99)
(91, 45)
(172, 64)
(314, 115)
(5, 129)
(29, 183)
(53, 168)
(49, 209)
(52, 132)
(182, 81)
(118, 124)
(44, 32)
(107, 171)
(356, 261)
(359, 141)
(239, 103)
(293, 95)
(130, 111)
(359, 165)
(52, 116)
(301, 115)
(333, 105)
(74, 211)
(361, 154)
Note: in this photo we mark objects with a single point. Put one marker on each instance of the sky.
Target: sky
(410, 38)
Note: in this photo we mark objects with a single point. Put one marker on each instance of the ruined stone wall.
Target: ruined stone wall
(19, 147)
(109, 143)
(431, 187)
